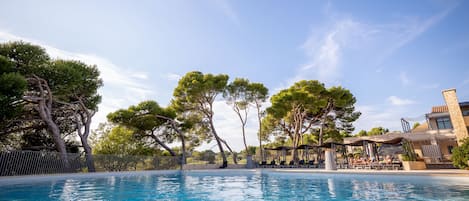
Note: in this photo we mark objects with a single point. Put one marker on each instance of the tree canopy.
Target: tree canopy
(195, 95)
(306, 105)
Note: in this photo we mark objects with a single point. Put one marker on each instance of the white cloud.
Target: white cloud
(228, 127)
(119, 90)
(140, 75)
(173, 77)
(324, 51)
(375, 116)
(394, 100)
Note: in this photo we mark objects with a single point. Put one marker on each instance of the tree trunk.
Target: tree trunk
(163, 145)
(88, 154)
(235, 160)
(321, 130)
(261, 151)
(220, 147)
(84, 119)
(44, 108)
(181, 135)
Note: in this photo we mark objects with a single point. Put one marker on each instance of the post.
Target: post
(330, 159)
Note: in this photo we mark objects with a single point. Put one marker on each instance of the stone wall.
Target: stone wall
(455, 113)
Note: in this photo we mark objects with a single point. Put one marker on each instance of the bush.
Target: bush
(460, 155)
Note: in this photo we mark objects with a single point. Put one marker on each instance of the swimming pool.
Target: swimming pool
(232, 185)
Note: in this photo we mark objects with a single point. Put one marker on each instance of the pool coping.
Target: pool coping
(433, 173)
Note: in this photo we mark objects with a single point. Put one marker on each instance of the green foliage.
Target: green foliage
(120, 141)
(28, 59)
(73, 80)
(460, 156)
(196, 92)
(373, 131)
(295, 110)
(240, 94)
(12, 87)
(142, 117)
(194, 96)
(362, 133)
(207, 155)
(416, 124)
(409, 153)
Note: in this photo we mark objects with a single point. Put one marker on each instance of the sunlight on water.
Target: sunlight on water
(239, 185)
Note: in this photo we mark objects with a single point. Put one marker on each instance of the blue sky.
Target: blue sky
(395, 57)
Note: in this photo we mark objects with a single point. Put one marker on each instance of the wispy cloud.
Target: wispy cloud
(431, 86)
(324, 51)
(405, 81)
(465, 82)
(119, 90)
(228, 11)
(173, 76)
(394, 100)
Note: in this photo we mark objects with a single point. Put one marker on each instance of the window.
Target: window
(443, 123)
(465, 112)
(450, 149)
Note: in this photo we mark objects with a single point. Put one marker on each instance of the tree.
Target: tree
(148, 119)
(339, 111)
(238, 96)
(32, 62)
(12, 87)
(377, 131)
(308, 104)
(61, 96)
(120, 140)
(416, 124)
(295, 110)
(195, 94)
(362, 133)
(373, 131)
(460, 155)
(76, 85)
(259, 94)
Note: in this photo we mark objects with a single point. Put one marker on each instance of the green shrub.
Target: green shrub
(460, 155)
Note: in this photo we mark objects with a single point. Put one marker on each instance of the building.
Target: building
(434, 140)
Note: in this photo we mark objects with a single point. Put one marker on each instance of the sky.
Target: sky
(395, 57)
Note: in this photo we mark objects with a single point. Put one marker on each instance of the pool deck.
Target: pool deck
(442, 172)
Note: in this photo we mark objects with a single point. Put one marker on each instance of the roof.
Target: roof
(444, 108)
(439, 109)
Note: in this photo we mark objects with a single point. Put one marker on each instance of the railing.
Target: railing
(36, 162)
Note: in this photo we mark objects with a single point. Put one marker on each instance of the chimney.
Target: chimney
(457, 120)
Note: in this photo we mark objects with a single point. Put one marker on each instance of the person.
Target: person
(388, 159)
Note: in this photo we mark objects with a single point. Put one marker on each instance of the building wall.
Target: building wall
(433, 124)
(444, 144)
(466, 120)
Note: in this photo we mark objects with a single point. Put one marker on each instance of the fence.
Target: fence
(36, 162)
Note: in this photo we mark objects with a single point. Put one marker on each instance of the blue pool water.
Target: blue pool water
(233, 185)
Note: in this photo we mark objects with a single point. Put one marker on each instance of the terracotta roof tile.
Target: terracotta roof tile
(439, 109)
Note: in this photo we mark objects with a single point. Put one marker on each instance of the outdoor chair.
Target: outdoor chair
(311, 164)
(263, 164)
(302, 164)
(291, 164)
(272, 164)
(282, 164)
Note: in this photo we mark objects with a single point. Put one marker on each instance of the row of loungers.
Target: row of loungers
(378, 166)
(311, 164)
(291, 164)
